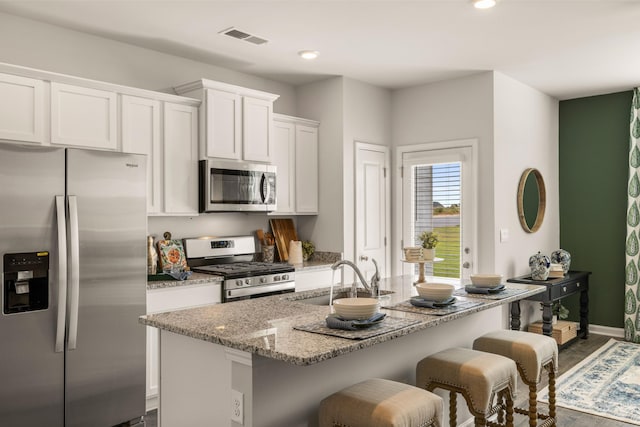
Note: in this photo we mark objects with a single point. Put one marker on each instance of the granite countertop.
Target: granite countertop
(194, 279)
(264, 326)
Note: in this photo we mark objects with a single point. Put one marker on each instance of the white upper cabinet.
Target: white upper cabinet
(180, 159)
(141, 126)
(223, 124)
(236, 122)
(256, 128)
(306, 169)
(83, 117)
(295, 155)
(284, 158)
(21, 109)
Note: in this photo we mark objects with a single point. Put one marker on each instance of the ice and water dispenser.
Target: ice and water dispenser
(26, 282)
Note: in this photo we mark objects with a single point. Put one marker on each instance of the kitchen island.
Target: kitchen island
(279, 374)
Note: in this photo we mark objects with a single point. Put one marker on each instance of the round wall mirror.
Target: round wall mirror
(532, 200)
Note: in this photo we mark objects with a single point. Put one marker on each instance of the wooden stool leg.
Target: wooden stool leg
(501, 402)
(533, 410)
(509, 410)
(480, 421)
(552, 395)
(453, 407)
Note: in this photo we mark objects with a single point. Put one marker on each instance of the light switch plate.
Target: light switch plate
(504, 235)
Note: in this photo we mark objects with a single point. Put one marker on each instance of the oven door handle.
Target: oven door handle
(263, 289)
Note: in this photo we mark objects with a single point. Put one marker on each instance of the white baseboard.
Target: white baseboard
(606, 330)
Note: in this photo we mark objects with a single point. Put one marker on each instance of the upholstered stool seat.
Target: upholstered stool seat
(478, 376)
(381, 403)
(533, 353)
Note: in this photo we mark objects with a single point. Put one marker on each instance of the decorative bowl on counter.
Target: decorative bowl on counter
(435, 291)
(356, 308)
(486, 280)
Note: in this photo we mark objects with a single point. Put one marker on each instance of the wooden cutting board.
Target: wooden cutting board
(283, 232)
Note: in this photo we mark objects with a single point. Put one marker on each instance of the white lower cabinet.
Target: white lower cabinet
(168, 299)
(307, 280)
(295, 155)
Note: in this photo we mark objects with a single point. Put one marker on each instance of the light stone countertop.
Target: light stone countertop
(194, 279)
(264, 326)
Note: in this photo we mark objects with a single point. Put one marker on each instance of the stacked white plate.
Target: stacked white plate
(486, 280)
(435, 291)
(356, 308)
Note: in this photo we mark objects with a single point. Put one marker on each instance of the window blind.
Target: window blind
(437, 191)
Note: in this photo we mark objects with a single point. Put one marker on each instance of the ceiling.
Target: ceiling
(565, 48)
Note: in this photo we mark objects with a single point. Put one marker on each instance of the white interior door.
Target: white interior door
(372, 208)
(438, 195)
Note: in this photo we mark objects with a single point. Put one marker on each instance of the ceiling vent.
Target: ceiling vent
(242, 35)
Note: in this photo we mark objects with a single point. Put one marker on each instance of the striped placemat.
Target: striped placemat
(505, 293)
(459, 305)
(389, 324)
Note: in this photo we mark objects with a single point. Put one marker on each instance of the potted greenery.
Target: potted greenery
(560, 312)
(429, 242)
(308, 249)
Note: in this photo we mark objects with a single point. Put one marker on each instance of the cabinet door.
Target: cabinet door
(141, 135)
(21, 109)
(180, 159)
(257, 119)
(306, 169)
(283, 157)
(223, 125)
(83, 117)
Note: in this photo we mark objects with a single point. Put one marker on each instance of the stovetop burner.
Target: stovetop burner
(234, 270)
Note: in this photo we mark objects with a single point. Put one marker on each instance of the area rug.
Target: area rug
(606, 384)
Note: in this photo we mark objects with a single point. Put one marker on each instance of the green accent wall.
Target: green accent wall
(594, 141)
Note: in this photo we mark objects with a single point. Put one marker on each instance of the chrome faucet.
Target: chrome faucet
(373, 288)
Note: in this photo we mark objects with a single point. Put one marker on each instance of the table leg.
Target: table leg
(584, 314)
(515, 315)
(421, 273)
(547, 319)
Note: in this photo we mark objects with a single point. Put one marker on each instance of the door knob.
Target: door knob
(466, 265)
(364, 258)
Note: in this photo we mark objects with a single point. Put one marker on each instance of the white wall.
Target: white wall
(450, 110)
(37, 45)
(526, 136)
(323, 101)
(367, 118)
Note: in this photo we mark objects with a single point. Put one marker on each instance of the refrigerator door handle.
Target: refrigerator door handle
(61, 220)
(74, 281)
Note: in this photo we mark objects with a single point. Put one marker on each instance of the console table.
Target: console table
(573, 282)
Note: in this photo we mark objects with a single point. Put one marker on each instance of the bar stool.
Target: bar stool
(532, 353)
(478, 376)
(381, 403)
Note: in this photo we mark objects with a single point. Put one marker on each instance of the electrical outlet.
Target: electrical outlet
(237, 409)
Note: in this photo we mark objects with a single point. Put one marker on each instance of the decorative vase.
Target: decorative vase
(562, 257)
(428, 254)
(539, 264)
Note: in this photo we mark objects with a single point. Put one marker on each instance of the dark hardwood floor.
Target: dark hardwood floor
(568, 358)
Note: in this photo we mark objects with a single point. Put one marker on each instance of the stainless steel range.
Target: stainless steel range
(233, 259)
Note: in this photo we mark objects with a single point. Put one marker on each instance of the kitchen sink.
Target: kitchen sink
(324, 299)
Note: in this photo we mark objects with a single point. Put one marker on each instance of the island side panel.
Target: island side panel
(195, 383)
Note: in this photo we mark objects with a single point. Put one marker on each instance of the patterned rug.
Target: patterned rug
(607, 383)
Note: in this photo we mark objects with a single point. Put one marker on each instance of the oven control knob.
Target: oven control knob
(247, 281)
(239, 282)
(285, 277)
(263, 280)
(276, 278)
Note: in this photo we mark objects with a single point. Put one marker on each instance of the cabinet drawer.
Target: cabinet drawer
(563, 290)
(167, 299)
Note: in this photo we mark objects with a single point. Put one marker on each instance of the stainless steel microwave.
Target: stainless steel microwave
(236, 186)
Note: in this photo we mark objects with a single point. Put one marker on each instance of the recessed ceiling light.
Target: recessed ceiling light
(308, 54)
(484, 4)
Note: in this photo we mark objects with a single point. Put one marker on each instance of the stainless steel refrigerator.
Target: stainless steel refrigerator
(72, 247)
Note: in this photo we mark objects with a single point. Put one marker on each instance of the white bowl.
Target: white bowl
(435, 291)
(486, 280)
(356, 308)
